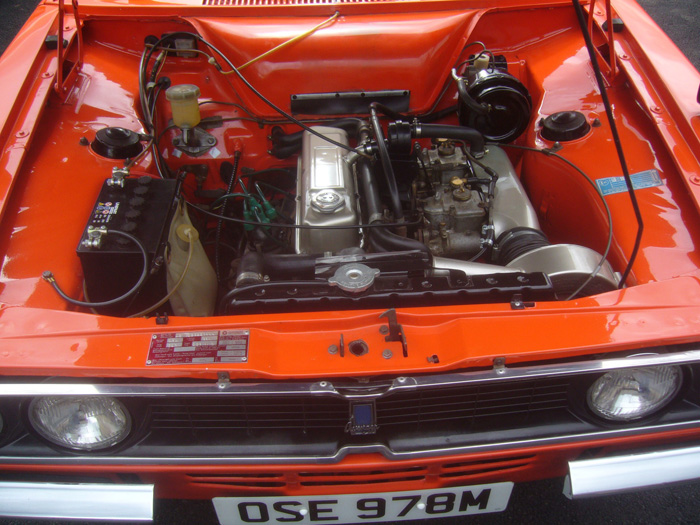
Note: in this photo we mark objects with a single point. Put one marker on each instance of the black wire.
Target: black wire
(266, 100)
(49, 277)
(616, 139)
(590, 181)
(304, 226)
(220, 224)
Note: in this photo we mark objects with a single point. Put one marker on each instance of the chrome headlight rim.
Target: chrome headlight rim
(123, 441)
(583, 395)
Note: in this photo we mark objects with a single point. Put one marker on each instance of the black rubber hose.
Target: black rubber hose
(465, 97)
(519, 241)
(279, 266)
(445, 131)
(48, 276)
(381, 240)
(386, 163)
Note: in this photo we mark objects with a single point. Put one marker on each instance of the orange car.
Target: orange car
(344, 261)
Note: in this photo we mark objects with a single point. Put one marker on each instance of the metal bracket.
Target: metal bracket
(194, 142)
(517, 303)
(61, 82)
(609, 30)
(224, 380)
(162, 319)
(395, 330)
(499, 366)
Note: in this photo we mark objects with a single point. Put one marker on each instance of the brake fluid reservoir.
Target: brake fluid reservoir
(184, 105)
(196, 295)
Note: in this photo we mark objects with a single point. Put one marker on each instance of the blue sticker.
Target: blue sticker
(641, 180)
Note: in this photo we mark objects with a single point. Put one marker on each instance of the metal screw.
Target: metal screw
(149, 361)
(387, 354)
(211, 140)
(401, 379)
(383, 329)
(244, 359)
(323, 384)
(333, 349)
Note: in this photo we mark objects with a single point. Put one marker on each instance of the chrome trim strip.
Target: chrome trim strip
(595, 477)
(353, 389)
(348, 450)
(76, 501)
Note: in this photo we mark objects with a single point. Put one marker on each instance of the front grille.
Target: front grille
(462, 408)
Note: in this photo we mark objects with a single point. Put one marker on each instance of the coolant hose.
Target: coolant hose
(253, 266)
(386, 163)
(445, 131)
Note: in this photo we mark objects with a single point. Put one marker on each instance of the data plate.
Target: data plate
(213, 346)
(366, 508)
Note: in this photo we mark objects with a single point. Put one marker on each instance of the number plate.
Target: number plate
(365, 508)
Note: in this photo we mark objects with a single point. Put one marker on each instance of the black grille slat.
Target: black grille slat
(471, 405)
(251, 414)
(465, 406)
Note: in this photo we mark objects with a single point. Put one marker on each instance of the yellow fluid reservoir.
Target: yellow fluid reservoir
(196, 291)
(184, 105)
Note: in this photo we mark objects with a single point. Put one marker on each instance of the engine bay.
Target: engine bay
(285, 185)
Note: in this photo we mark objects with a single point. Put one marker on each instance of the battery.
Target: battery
(144, 208)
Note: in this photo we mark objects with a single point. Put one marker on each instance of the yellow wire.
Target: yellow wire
(285, 44)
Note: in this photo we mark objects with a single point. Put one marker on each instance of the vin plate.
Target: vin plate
(213, 346)
(365, 508)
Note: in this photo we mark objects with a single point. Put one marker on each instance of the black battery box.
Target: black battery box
(144, 208)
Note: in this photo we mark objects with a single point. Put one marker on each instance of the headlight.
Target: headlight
(80, 423)
(626, 395)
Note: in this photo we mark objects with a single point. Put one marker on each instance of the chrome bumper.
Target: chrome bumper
(594, 477)
(76, 501)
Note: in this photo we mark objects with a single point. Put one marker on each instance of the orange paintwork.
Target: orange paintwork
(48, 182)
(356, 471)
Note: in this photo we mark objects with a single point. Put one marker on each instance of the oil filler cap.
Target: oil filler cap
(565, 126)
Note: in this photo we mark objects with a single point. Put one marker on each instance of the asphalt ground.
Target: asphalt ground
(531, 503)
